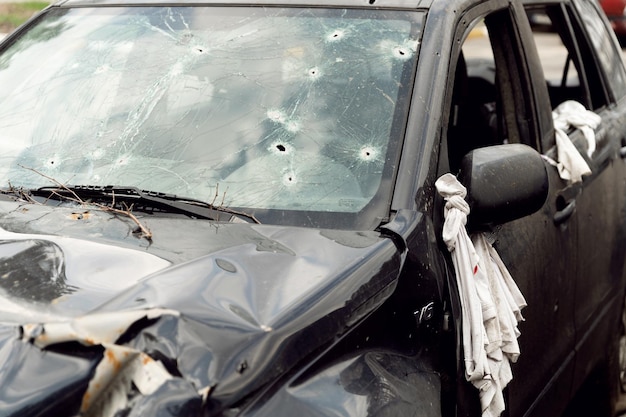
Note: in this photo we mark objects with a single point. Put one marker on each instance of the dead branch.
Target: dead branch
(226, 209)
(61, 185)
(217, 192)
(19, 192)
(145, 232)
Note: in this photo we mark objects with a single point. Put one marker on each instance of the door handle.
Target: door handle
(561, 215)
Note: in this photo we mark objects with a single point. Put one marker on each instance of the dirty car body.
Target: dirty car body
(229, 209)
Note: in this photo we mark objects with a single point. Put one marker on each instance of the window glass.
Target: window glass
(488, 93)
(558, 67)
(569, 68)
(261, 109)
(481, 86)
(608, 55)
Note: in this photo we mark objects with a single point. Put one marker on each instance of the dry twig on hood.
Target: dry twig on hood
(127, 211)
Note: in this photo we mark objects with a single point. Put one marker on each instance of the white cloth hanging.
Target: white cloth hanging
(572, 113)
(491, 302)
(570, 163)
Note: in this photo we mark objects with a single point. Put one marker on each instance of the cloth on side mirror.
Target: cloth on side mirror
(491, 302)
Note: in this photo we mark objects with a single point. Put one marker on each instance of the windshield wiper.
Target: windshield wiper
(141, 200)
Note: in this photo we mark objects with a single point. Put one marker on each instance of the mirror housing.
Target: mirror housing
(504, 183)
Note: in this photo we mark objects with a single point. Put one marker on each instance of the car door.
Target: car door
(591, 73)
(600, 289)
(494, 101)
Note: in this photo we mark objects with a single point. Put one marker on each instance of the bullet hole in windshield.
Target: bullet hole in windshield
(122, 160)
(289, 179)
(336, 35)
(314, 73)
(403, 51)
(281, 148)
(400, 52)
(368, 153)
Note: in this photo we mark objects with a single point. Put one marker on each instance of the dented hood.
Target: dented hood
(97, 321)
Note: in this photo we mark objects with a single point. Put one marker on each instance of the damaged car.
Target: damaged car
(320, 208)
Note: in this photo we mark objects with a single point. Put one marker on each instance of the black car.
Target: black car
(218, 208)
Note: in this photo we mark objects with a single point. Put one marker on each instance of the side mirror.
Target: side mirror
(504, 183)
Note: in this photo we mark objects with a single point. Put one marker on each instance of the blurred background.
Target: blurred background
(15, 12)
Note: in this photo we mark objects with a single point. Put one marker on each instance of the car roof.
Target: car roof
(404, 4)
(375, 4)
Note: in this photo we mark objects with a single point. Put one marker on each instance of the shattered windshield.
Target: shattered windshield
(286, 113)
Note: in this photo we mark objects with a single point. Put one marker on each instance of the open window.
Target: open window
(490, 102)
(570, 68)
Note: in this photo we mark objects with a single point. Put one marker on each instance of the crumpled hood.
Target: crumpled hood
(66, 276)
(118, 324)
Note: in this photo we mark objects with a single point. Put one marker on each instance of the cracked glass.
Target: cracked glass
(270, 110)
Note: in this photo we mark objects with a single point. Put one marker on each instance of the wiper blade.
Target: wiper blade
(141, 200)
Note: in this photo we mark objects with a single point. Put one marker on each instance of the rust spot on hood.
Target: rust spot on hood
(86, 401)
(80, 216)
(110, 356)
